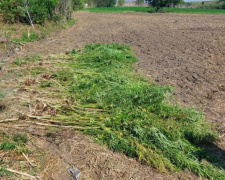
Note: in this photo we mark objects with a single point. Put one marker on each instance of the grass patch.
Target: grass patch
(17, 142)
(70, 22)
(149, 9)
(34, 71)
(26, 59)
(4, 172)
(46, 84)
(18, 32)
(20, 139)
(117, 107)
(6, 146)
(1, 95)
(25, 38)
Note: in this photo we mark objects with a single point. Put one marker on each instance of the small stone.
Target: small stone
(76, 174)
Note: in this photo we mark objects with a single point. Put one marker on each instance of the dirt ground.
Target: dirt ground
(186, 51)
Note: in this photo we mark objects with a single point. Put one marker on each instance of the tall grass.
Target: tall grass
(130, 115)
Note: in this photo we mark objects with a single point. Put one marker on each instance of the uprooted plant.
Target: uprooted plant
(107, 100)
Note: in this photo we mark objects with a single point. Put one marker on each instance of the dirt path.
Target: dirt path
(185, 51)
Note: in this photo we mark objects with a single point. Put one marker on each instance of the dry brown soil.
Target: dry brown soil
(186, 51)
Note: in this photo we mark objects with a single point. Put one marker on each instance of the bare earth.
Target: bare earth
(186, 51)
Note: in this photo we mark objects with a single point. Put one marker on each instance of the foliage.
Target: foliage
(25, 38)
(4, 172)
(18, 143)
(88, 2)
(24, 10)
(139, 2)
(7, 146)
(46, 84)
(157, 4)
(1, 95)
(104, 3)
(121, 2)
(20, 139)
(78, 4)
(31, 58)
(70, 22)
(166, 10)
(65, 8)
(10, 11)
(129, 114)
(217, 5)
(193, 10)
(118, 9)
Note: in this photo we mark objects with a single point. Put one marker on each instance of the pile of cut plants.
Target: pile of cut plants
(96, 91)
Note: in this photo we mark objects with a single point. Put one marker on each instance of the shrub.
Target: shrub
(19, 10)
(10, 10)
(104, 3)
(78, 4)
(56, 17)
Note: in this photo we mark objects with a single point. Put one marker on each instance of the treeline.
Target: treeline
(100, 3)
(216, 5)
(37, 11)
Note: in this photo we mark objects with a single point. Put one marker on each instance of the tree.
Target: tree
(78, 4)
(104, 3)
(157, 4)
(89, 2)
(139, 2)
(175, 2)
(121, 2)
(65, 9)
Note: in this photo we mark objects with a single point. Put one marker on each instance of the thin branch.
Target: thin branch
(28, 160)
(28, 13)
(21, 173)
(8, 120)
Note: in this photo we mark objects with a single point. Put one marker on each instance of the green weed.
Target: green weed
(46, 84)
(73, 51)
(18, 61)
(20, 139)
(25, 39)
(6, 145)
(18, 143)
(4, 172)
(36, 71)
(1, 95)
(70, 22)
(26, 59)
